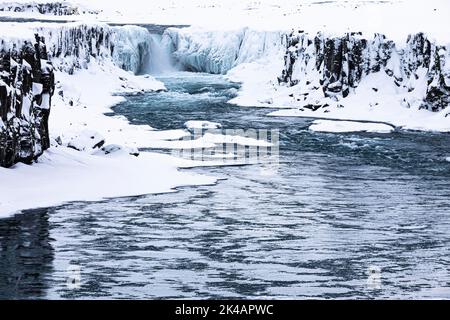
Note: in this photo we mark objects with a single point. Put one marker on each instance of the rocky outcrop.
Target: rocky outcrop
(51, 8)
(74, 46)
(26, 88)
(27, 77)
(336, 65)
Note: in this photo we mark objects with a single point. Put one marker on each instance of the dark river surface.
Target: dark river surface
(346, 215)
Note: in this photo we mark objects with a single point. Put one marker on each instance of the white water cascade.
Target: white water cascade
(161, 60)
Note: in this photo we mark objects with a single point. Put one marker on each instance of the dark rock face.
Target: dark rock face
(438, 92)
(52, 8)
(74, 46)
(26, 86)
(341, 62)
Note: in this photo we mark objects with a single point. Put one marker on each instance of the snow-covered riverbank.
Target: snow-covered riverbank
(78, 120)
(64, 174)
(91, 59)
(93, 155)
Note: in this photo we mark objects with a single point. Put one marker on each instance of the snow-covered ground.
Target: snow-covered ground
(64, 174)
(384, 105)
(395, 18)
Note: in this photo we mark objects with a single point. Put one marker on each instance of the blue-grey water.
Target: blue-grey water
(338, 206)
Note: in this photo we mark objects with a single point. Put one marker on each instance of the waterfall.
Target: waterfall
(160, 60)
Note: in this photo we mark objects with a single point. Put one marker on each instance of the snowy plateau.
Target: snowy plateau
(385, 63)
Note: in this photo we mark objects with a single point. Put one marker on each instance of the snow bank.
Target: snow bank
(63, 174)
(349, 126)
(406, 119)
(209, 139)
(357, 76)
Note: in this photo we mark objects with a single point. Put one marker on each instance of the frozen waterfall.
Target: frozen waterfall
(160, 60)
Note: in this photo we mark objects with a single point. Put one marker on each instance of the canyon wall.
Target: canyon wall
(27, 82)
(335, 66)
(26, 87)
(324, 69)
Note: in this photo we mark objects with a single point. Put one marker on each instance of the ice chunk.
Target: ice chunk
(349, 126)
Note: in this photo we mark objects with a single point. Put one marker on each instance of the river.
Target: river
(345, 215)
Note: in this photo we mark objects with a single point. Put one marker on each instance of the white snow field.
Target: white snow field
(63, 174)
(82, 97)
(246, 40)
(390, 17)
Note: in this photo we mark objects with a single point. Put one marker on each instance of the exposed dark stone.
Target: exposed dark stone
(313, 107)
(26, 88)
(76, 46)
(438, 92)
(341, 62)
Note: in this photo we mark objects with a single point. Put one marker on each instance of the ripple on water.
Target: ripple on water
(337, 205)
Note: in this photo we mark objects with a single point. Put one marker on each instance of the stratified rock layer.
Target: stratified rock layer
(26, 87)
(340, 63)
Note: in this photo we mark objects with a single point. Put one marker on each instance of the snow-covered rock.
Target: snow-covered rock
(321, 71)
(115, 149)
(86, 140)
(26, 88)
(324, 69)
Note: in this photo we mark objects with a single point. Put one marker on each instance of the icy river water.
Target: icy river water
(354, 215)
